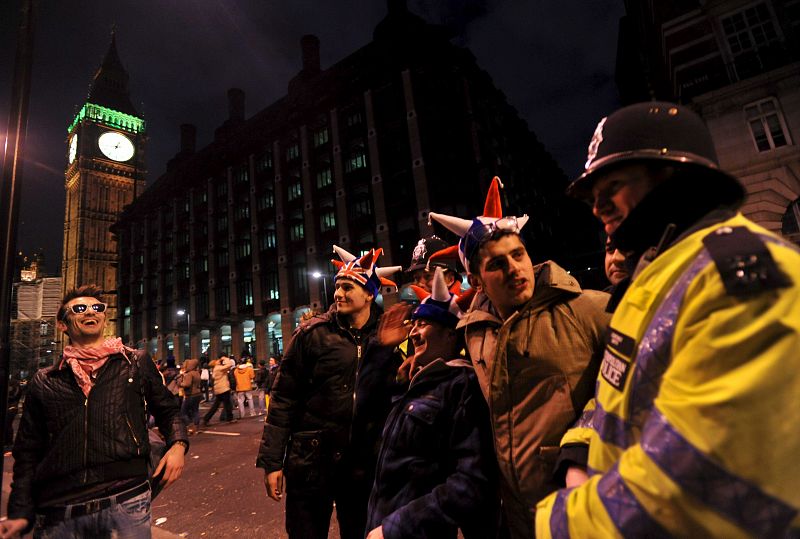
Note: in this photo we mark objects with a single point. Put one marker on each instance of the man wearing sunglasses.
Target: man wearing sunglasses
(81, 454)
(535, 338)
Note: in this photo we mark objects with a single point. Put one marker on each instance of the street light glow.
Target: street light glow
(316, 275)
(181, 312)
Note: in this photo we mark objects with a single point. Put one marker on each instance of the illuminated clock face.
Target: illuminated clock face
(73, 147)
(115, 146)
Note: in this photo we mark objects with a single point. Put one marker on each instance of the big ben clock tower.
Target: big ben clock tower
(105, 172)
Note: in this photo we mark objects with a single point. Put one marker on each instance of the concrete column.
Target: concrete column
(177, 349)
(237, 339)
(162, 346)
(338, 179)
(214, 347)
(287, 327)
(417, 161)
(194, 342)
(382, 238)
(262, 344)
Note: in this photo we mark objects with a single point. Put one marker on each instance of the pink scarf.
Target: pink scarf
(84, 361)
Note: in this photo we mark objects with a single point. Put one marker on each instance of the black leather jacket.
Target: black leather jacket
(67, 441)
(330, 398)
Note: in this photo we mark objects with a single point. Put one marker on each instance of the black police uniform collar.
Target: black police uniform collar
(670, 212)
(680, 201)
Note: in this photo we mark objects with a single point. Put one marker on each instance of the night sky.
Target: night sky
(553, 60)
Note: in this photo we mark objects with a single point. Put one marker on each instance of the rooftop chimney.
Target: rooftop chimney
(310, 47)
(235, 104)
(188, 138)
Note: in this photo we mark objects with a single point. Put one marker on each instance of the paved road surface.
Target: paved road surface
(221, 493)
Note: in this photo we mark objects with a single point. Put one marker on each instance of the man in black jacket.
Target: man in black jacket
(81, 452)
(439, 429)
(328, 406)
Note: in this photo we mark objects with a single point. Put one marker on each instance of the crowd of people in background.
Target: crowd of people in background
(223, 382)
(515, 405)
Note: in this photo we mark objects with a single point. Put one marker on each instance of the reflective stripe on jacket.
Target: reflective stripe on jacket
(694, 433)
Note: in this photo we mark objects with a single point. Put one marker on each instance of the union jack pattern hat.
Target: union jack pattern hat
(363, 270)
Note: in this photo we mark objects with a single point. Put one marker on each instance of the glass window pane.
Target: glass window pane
(760, 136)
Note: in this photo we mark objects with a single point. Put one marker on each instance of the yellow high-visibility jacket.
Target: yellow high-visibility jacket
(695, 430)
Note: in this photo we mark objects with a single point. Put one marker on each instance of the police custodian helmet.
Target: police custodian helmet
(655, 131)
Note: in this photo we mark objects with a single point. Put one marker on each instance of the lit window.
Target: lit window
(245, 293)
(292, 152)
(320, 137)
(243, 247)
(243, 211)
(354, 119)
(767, 125)
(324, 178)
(296, 232)
(356, 160)
(241, 174)
(267, 239)
(271, 285)
(327, 221)
(362, 208)
(266, 200)
(264, 162)
(222, 223)
(295, 191)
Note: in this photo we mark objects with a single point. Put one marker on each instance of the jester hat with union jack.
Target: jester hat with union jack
(364, 270)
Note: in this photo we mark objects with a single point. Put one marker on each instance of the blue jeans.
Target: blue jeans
(259, 404)
(127, 520)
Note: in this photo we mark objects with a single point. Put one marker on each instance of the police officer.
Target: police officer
(694, 433)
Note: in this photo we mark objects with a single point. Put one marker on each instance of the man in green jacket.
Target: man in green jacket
(535, 339)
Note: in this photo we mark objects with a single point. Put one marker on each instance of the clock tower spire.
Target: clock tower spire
(105, 171)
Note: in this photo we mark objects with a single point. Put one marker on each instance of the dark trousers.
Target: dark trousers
(308, 511)
(225, 400)
(204, 389)
(190, 409)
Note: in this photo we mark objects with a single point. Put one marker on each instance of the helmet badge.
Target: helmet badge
(594, 145)
(419, 250)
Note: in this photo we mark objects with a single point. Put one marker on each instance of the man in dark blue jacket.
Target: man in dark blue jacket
(436, 469)
(327, 408)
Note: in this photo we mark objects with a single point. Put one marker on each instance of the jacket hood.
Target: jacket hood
(244, 366)
(551, 282)
(190, 365)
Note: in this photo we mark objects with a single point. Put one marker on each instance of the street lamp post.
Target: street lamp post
(181, 312)
(318, 275)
